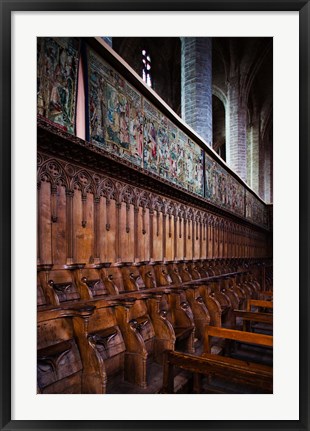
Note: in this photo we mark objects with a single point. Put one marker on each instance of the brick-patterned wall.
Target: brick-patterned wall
(238, 129)
(249, 154)
(196, 85)
(268, 171)
(256, 154)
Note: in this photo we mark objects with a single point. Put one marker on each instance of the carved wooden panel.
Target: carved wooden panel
(157, 235)
(57, 362)
(89, 218)
(44, 219)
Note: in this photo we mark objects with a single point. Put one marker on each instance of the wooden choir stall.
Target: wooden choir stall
(154, 260)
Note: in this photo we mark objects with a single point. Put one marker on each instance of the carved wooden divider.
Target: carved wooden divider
(88, 217)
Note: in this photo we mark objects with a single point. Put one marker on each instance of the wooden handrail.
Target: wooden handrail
(232, 334)
(258, 303)
(254, 316)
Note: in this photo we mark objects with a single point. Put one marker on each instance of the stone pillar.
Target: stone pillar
(262, 167)
(268, 172)
(254, 154)
(238, 128)
(196, 85)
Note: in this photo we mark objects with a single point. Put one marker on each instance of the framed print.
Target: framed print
(153, 185)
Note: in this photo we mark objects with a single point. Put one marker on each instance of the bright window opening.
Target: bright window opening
(146, 68)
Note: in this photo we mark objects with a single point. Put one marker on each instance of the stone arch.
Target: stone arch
(219, 119)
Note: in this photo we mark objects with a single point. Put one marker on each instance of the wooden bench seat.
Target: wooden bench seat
(137, 312)
(244, 372)
(232, 369)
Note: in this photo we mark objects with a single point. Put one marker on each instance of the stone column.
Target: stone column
(238, 127)
(254, 154)
(268, 171)
(196, 85)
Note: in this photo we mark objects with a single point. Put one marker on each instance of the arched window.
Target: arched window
(219, 128)
(146, 68)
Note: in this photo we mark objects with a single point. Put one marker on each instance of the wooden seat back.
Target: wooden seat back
(91, 279)
(132, 278)
(200, 311)
(113, 279)
(193, 269)
(174, 273)
(139, 337)
(148, 275)
(199, 266)
(184, 272)
(59, 364)
(163, 277)
(63, 285)
(106, 339)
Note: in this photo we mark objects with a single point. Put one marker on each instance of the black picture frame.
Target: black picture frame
(7, 7)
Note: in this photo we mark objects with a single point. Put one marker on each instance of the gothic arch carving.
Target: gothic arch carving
(159, 204)
(107, 188)
(176, 209)
(52, 171)
(83, 181)
(170, 207)
(127, 195)
(190, 214)
(143, 199)
(182, 211)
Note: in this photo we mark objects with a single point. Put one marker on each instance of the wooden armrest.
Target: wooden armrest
(72, 310)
